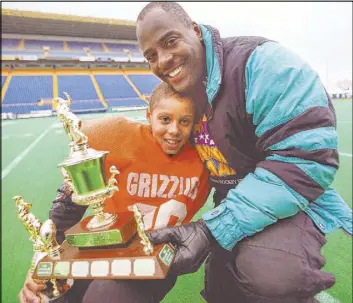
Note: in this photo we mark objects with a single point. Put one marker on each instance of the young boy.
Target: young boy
(159, 171)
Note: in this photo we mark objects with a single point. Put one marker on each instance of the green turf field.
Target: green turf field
(31, 150)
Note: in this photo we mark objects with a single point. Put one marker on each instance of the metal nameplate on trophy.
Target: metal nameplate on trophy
(101, 246)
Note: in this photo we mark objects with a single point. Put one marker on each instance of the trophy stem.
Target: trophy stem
(100, 219)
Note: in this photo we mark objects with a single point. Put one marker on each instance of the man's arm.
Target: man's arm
(295, 125)
(64, 212)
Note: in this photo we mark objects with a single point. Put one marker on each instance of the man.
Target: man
(266, 132)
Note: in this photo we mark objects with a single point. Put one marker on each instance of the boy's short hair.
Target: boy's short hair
(163, 90)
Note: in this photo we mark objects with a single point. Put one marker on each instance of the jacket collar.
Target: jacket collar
(214, 60)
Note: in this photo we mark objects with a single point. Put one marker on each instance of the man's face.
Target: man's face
(171, 122)
(174, 52)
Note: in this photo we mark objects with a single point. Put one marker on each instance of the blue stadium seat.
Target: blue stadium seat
(10, 43)
(81, 90)
(79, 45)
(117, 91)
(144, 83)
(3, 79)
(23, 108)
(24, 92)
(128, 102)
(114, 47)
(38, 44)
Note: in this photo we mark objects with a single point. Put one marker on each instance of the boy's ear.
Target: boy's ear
(148, 115)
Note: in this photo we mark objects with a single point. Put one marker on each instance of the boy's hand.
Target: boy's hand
(30, 293)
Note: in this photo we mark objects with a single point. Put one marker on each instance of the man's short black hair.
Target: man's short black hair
(170, 7)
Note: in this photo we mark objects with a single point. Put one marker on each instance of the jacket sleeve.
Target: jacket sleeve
(64, 212)
(295, 125)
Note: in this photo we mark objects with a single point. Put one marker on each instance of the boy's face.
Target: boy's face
(171, 121)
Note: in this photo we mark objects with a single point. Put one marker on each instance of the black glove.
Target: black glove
(193, 243)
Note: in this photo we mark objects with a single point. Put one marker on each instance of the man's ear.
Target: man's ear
(197, 30)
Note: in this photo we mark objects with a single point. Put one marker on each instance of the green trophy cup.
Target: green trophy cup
(101, 246)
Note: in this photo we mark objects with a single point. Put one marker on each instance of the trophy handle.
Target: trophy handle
(112, 181)
(147, 245)
(111, 189)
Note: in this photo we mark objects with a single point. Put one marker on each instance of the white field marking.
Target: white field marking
(20, 157)
(324, 297)
(59, 131)
(12, 136)
(345, 155)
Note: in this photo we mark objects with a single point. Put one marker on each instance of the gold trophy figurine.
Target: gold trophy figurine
(102, 246)
(44, 244)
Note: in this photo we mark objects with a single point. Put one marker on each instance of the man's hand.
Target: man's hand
(30, 293)
(193, 243)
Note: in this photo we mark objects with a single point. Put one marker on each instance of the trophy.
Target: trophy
(101, 246)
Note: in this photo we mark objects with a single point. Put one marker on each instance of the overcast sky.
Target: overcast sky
(320, 32)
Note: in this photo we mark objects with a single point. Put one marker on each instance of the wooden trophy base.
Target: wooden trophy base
(111, 253)
(114, 263)
(115, 235)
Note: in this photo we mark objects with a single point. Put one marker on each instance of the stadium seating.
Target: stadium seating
(144, 83)
(80, 45)
(38, 44)
(24, 92)
(34, 47)
(117, 91)
(81, 90)
(114, 47)
(10, 43)
(3, 79)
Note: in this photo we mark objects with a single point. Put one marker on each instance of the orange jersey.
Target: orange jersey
(167, 190)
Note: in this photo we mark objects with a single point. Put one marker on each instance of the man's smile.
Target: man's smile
(175, 72)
